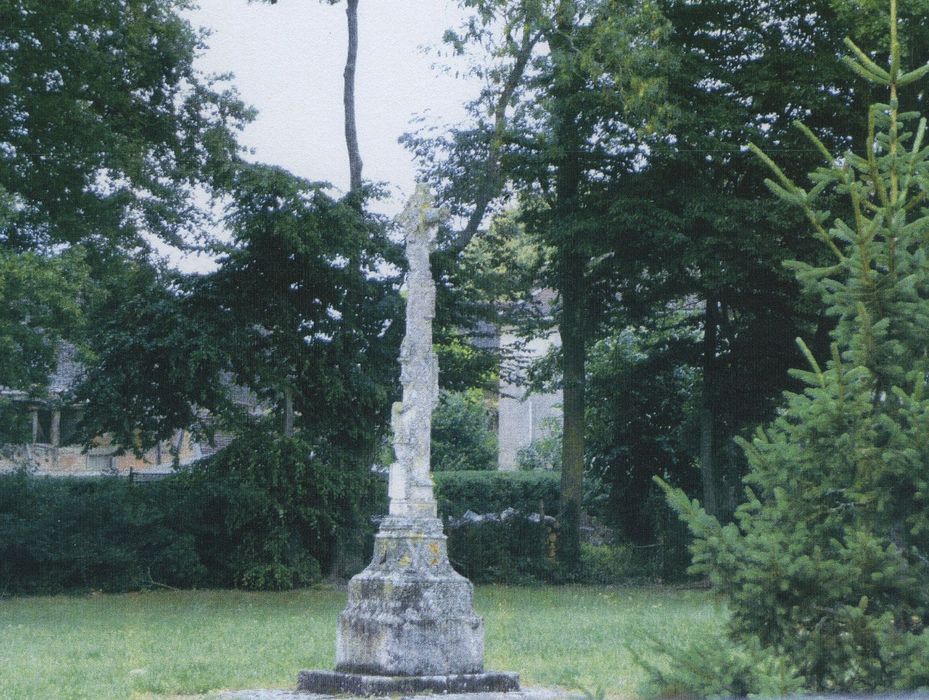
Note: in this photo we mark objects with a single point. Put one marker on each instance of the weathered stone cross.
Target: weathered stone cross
(409, 624)
(410, 486)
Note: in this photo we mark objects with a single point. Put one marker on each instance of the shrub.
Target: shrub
(279, 503)
(607, 564)
(715, 667)
(495, 491)
(461, 434)
(76, 534)
(543, 453)
(827, 563)
(263, 514)
(515, 550)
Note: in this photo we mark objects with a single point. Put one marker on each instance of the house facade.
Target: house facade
(524, 416)
(52, 450)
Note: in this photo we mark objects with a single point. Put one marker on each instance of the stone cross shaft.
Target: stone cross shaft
(410, 485)
(409, 623)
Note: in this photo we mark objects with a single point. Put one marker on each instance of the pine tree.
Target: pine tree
(827, 565)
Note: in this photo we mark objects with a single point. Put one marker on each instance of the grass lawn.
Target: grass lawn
(169, 644)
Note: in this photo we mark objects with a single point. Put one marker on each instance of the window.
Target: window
(100, 463)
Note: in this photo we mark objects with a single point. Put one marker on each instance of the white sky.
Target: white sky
(288, 60)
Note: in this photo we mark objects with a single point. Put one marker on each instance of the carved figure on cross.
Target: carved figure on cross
(410, 485)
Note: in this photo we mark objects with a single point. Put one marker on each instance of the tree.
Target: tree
(154, 361)
(108, 134)
(304, 297)
(640, 422)
(461, 434)
(572, 75)
(348, 94)
(42, 302)
(298, 308)
(43, 298)
(107, 127)
(695, 226)
(827, 563)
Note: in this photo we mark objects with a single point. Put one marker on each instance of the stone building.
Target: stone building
(54, 418)
(524, 416)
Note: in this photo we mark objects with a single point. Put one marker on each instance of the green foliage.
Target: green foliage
(60, 535)
(463, 365)
(301, 304)
(495, 491)
(293, 308)
(714, 667)
(516, 550)
(15, 423)
(281, 502)
(558, 126)
(512, 551)
(153, 365)
(462, 439)
(42, 298)
(263, 514)
(641, 421)
(827, 563)
(107, 125)
(604, 564)
(543, 453)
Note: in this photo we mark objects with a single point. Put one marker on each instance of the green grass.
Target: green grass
(166, 644)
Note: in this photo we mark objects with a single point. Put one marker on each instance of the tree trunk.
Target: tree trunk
(491, 185)
(574, 358)
(707, 407)
(351, 130)
(288, 411)
(571, 281)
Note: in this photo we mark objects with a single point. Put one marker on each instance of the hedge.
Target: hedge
(265, 513)
(495, 491)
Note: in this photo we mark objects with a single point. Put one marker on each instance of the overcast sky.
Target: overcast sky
(288, 60)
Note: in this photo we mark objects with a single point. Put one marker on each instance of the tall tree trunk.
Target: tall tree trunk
(571, 281)
(574, 359)
(491, 183)
(707, 407)
(351, 130)
(288, 411)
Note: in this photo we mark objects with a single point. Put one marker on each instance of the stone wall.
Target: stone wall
(71, 460)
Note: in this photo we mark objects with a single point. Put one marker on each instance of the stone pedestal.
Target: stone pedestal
(409, 613)
(409, 625)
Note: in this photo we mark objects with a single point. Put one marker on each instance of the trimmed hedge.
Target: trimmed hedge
(266, 515)
(512, 551)
(262, 514)
(495, 491)
(102, 533)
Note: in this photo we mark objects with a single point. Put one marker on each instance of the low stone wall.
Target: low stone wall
(72, 460)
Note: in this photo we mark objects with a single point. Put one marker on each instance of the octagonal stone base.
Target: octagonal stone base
(409, 613)
(409, 625)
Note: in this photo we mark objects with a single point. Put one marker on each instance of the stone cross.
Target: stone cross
(409, 624)
(410, 485)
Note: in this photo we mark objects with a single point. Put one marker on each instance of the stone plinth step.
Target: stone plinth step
(359, 684)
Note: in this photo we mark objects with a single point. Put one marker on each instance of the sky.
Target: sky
(288, 59)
